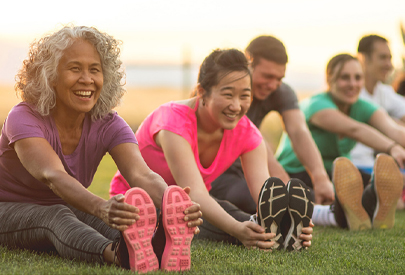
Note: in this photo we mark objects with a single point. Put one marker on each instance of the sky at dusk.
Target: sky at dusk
(163, 32)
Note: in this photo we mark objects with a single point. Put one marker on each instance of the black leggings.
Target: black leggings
(73, 234)
(210, 232)
(231, 186)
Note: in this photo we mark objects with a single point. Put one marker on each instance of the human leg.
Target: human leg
(304, 177)
(50, 228)
(231, 186)
(210, 232)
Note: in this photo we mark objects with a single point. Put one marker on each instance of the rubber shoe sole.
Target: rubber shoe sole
(388, 184)
(177, 254)
(272, 205)
(300, 208)
(349, 190)
(138, 236)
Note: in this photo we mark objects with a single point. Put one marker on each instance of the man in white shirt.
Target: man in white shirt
(375, 56)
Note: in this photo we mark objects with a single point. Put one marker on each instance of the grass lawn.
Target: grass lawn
(334, 251)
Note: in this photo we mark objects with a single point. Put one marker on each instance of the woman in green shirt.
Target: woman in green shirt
(338, 119)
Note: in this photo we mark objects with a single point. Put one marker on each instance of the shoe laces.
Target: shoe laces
(253, 218)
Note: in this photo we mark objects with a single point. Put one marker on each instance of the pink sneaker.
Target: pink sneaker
(138, 236)
(176, 256)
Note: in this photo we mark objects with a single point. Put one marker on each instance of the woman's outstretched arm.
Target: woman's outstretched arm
(336, 122)
(182, 164)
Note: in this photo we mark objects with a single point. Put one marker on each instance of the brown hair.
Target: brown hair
(267, 47)
(366, 44)
(219, 64)
(335, 66)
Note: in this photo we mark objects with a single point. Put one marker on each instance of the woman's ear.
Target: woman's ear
(200, 91)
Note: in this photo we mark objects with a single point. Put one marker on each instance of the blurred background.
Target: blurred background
(165, 41)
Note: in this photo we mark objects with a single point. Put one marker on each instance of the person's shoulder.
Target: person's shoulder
(111, 117)
(244, 124)
(24, 109)
(384, 87)
(317, 98)
(181, 105)
(389, 92)
(366, 103)
(284, 87)
(284, 90)
(317, 102)
(172, 113)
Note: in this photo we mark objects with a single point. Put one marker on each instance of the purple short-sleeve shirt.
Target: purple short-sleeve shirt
(23, 121)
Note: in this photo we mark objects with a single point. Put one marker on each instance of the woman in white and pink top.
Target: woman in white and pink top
(192, 142)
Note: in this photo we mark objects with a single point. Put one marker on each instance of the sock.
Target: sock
(323, 215)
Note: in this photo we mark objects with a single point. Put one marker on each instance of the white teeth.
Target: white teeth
(231, 116)
(83, 93)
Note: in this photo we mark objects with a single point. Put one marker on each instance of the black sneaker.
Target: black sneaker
(272, 205)
(300, 209)
(349, 190)
(387, 182)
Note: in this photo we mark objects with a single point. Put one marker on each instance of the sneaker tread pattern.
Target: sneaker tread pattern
(138, 237)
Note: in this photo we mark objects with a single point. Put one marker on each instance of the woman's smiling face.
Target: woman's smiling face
(345, 88)
(80, 78)
(229, 100)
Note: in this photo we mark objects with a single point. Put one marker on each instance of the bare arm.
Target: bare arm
(183, 167)
(339, 123)
(274, 167)
(41, 161)
(254, 168)
(389, 127)
(134, 169)
(308, 154)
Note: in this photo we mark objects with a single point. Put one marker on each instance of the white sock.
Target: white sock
(323, 215)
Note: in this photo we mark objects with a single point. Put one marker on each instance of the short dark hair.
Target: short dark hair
(219, 64)
(267, 47)
(366, 43)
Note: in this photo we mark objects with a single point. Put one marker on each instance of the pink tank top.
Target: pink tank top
(181, 120)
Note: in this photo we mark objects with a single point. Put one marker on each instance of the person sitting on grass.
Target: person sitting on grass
(337, 120)
(193, 141)
(268, 59)
(51, 145)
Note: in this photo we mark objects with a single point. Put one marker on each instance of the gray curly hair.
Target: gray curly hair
(34, 80)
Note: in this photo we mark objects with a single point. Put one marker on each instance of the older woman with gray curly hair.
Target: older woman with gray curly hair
(51, 145)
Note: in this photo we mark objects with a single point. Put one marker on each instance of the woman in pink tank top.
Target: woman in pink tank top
(191, 142)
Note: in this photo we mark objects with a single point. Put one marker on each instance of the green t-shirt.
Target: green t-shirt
(329, 144)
